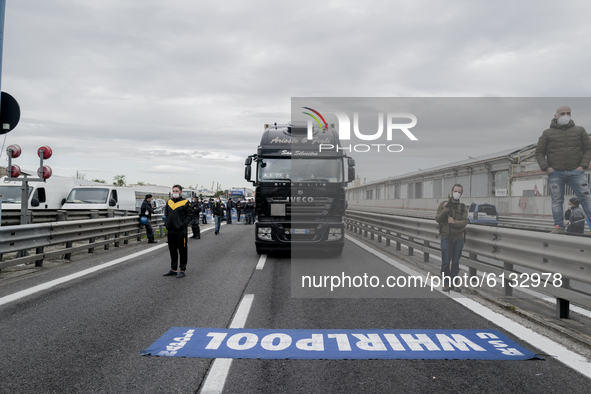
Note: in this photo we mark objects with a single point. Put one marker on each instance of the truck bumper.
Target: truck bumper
(299, 236)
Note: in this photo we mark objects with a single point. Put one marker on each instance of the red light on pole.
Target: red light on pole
(16, 151)
(46, 172)
(15, 171)
(47, 152)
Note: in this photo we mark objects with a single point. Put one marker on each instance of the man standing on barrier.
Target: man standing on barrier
(146, 212)
(179, 213)
(564, 153)
(452, 217)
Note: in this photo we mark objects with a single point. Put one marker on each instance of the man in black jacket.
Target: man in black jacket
(179, 213)
(146, 211)
(229, 205)
(195, 219)
(238, 210)
(218, 211)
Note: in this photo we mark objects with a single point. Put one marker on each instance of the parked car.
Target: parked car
(483, 214)
(159, 205)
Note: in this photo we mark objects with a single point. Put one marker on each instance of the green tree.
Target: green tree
(99, 180)
(140, 183)
(119, 180)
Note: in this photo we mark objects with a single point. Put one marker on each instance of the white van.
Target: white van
(100, 197)
(48, 195)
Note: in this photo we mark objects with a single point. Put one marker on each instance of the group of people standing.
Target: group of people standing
(180, 213)
(563, 153)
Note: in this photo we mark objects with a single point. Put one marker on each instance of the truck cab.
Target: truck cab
(300, 190)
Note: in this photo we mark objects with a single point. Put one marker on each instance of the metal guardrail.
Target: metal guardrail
(532, 223)
(36, 242)
(542, 252)
(12, 217)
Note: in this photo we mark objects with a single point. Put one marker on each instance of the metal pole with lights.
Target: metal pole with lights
(13, 172)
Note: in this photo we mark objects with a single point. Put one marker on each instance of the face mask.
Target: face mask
(456, 195)
(175, 195)
(563, 120)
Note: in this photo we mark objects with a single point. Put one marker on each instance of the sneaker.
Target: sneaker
(445, 289)
(558, 230)
(152, 241)
(181, 274)
(457, 289)
(170, 273)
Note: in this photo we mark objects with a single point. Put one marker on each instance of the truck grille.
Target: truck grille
(320, 206)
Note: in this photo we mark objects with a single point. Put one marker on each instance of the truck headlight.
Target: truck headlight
(334, 233)
(264, 233)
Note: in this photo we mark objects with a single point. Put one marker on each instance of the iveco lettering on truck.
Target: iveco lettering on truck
(300, 191)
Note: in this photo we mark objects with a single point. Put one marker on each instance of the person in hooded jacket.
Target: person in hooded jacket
(179, 212)
(564, 153)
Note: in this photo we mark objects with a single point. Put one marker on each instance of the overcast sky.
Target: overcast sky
(178, 91)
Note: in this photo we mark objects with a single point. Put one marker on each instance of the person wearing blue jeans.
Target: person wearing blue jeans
(577, 180)
(564, 153)
(218, 211)
(452, 217)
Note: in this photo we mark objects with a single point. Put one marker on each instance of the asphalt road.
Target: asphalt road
(85, 335)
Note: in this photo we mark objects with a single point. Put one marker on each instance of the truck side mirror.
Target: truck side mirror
(248, 161)
(247, 173)
(112, 202)
(34, 202)
(351, 162)
(351, 174)
(63, 201)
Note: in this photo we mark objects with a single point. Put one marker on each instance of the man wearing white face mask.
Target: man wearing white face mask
(452, 217)
(564, 153)
(179, 213)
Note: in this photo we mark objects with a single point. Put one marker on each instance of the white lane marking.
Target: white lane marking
(561, 353)
(261, 263)
(48, 285)
(218, 373)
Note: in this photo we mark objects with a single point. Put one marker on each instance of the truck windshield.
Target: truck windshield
(12, 194)
(301, 170)
(88, 196)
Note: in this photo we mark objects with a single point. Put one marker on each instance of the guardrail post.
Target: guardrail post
(161, 228)
(379, 239)
(387, 241)
(398, 246)
(472, 271)
(562, 305)
(506, 282)
(68, 256)
(411, 251)
(425, 254)
(371, 235)
(39, 263)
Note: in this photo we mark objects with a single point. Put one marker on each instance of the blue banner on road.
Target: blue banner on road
(338, 344)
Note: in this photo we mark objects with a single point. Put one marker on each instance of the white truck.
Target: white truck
(101, 197)
(48, 195)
